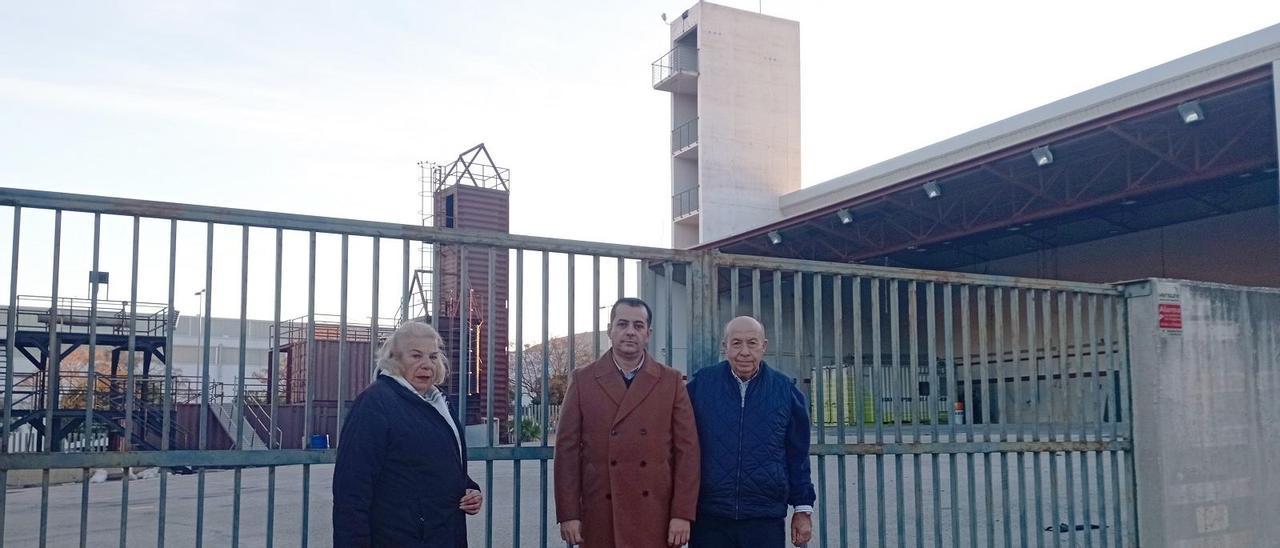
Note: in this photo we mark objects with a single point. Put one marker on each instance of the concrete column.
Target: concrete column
(1206, 413)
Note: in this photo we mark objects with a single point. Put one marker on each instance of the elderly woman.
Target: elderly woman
(401, 476)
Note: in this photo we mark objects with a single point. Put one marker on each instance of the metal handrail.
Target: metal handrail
(40, 199)
(679, 59)
(261, 419)
(684, 203)
(684, 135)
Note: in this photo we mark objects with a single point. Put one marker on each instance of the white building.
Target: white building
(734, 79)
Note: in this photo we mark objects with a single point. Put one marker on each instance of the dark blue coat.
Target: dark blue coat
(399, 476)
(755, 455)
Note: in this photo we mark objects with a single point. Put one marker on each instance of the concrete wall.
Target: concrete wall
(749, 117)
(1206, 414)
(1197, 250)
(748, 109)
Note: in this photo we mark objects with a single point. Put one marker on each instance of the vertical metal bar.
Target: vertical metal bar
(1002, 419)
(1131, 535)
(776, 328)
(51, 375)
(464, 336)
(1083, 407)
(543, 388)
(984, 374)
(917, 404)
(166, 422)
(898, 406)
(1037, 402)
(595, 305)
(11, 326)
(755, 294)
(203, 442)
(1100, 408)
(837, 343)
(491, 317)
(622, 276)
(240, 407)
(341, 411)
(953, 382)
(273, 376)
(307, 416)
(518, 429)
(1054, 379)
(1020, 389)
(375, 273)
(130, 381)
(667, 271)
(797, 309)
(970, 394)
(1113, 372)
(1064, 363)
(821, 401)
(860, 409)
(90, 384)
(878, 392)
(936, 406)
(405, 285)
(733, 292)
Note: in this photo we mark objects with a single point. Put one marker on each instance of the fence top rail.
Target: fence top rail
(39, 199)
(871, 271)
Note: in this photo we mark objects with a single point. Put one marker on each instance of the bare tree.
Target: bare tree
(557, 357)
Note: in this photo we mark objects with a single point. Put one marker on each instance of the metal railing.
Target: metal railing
(1009, 396)
(35, 313)
(990, 340)
(325, 256)
(684, 203)
(684, 135)
(679, 59)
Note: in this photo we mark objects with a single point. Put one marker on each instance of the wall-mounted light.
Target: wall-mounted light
(1191, 112)
(775, 237)
(1042, 155)
(932, 189)
(845, 216)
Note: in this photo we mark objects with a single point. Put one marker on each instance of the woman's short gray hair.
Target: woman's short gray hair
(388, 356)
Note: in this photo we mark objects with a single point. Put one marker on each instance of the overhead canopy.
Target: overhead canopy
(1146, 167)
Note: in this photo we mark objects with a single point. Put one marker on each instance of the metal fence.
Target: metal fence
(1042, 439)
(965, 410)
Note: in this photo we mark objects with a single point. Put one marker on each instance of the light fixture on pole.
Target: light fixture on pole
(1042, 155)
(932, 189)
(775, 237)
(845, 216)
(1191, 112)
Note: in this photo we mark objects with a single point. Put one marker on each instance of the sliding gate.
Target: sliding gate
(212, 353)
(950, 409)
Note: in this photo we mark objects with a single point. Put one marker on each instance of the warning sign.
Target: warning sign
(1169, 311)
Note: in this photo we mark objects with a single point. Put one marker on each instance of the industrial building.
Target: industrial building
(1170, 172)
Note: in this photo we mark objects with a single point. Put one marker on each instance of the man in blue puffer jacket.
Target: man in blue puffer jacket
(753, 427)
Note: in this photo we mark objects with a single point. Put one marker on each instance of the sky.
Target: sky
(325, 108)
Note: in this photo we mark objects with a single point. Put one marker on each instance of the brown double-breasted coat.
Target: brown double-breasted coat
(626, 459)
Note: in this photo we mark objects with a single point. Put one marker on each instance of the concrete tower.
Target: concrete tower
(734, 79)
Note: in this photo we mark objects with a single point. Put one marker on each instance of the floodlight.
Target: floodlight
(1191, 112)
(845, 216)
(775, 238)
(1042, 155)
(932, 189)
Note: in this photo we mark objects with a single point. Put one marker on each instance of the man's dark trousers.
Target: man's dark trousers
(713, 532)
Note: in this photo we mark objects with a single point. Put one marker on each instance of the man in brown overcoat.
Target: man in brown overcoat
(627, 460)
